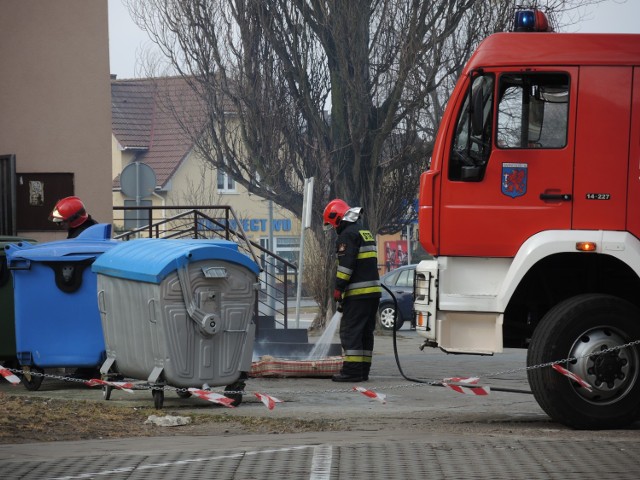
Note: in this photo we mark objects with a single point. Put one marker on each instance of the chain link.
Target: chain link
(564, 360)
(148, 386)
(426, 383)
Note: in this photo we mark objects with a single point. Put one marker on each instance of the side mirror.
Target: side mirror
(469, 173)
(477, 111)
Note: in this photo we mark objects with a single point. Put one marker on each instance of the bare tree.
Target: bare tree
(350, 92)
(318, 274)
(270, 71)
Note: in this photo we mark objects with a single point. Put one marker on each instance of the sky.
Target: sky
(127, 41)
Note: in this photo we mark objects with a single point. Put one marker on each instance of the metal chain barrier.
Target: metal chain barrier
(565, 360)
(141, 385)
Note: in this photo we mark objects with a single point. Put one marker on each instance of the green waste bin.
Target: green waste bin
(7, 317)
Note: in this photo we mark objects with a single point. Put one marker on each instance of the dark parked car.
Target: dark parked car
(400, 282)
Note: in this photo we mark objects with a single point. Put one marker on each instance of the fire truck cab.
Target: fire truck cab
(531, 209)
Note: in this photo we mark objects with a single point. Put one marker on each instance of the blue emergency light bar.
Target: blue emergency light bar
(530, 20)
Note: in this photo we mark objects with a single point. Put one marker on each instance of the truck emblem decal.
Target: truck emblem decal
(514, 179)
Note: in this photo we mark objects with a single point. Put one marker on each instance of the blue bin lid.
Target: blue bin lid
(83, 247)
(151, 260)
(7, 240)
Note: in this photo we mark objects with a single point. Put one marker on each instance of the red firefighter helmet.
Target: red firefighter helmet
(70, 210)
(334, 213)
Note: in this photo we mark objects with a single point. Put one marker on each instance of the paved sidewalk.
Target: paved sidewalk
(320, 396)
(450, 435)
(348, 456)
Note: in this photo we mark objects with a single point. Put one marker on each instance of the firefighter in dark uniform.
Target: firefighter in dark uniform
(357, 288)
(70, 213)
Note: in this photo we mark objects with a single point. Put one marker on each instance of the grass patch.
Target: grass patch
(25, 420)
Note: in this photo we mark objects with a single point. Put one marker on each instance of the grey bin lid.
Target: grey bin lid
(151, 260)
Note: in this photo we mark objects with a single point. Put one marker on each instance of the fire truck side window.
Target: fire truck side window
(472, 142)
(533, 111)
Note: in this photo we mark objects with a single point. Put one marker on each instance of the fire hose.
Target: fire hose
(417, 380)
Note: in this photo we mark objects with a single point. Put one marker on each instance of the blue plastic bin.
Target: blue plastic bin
(57, 321)
(177, 312)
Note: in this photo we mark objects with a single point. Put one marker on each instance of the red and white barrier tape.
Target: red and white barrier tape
(468, 386)
(270, 402)
(125, 386)
(464, 385)
(572, 376)
(381, 397)
(465, 380)
(212, 397)
(11, 378)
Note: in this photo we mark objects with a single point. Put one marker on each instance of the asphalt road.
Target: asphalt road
(422, 431)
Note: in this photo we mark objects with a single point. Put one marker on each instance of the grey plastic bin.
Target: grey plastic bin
(177, 312)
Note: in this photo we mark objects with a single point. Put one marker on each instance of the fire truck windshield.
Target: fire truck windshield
(472, 143)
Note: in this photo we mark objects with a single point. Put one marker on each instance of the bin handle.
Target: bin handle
(205, 321)
(101, 307)
(19, 264)
(151, 305)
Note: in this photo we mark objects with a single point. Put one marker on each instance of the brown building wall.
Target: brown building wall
(55, 100)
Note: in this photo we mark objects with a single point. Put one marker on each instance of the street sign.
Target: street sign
(137, 180)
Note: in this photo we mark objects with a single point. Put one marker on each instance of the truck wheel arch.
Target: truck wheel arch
(622, 245)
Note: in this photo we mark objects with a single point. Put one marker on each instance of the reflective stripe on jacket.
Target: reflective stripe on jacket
(357, 275)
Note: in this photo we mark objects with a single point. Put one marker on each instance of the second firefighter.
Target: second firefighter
(357, 287)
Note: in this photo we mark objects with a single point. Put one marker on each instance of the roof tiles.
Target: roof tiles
(148, 115)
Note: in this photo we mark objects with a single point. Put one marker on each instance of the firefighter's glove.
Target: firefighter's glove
(337, 295)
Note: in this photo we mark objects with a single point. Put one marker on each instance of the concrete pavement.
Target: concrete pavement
(422, 431)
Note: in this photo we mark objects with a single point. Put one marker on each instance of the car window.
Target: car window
(391, 279)
(405, 279)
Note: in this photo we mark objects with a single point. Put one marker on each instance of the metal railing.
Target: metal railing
(278, 277)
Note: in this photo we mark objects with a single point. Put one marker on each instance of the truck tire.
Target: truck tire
(579, 328)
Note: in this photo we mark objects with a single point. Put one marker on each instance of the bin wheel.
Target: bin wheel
(183, 393)
(106, 391)
(158, 398)
(32, 382)
(236, 397)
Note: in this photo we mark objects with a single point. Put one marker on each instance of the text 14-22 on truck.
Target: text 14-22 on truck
(531, 209)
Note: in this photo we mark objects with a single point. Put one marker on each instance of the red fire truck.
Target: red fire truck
(531, 210)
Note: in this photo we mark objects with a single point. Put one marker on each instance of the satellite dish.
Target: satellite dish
(137, 180)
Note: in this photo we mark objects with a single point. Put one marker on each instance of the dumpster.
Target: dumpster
(7, 317)
(57, 322)
(178, 313)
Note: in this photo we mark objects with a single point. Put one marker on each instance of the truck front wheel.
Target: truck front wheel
(588, 329)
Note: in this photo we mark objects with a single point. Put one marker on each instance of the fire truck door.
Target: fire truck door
(602, 148)
(519, 181)
(633, 204)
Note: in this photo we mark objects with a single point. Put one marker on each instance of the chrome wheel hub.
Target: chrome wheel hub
(611, 371)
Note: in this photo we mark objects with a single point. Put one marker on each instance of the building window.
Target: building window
(288, 248)
(226, 184)
(285, 247)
